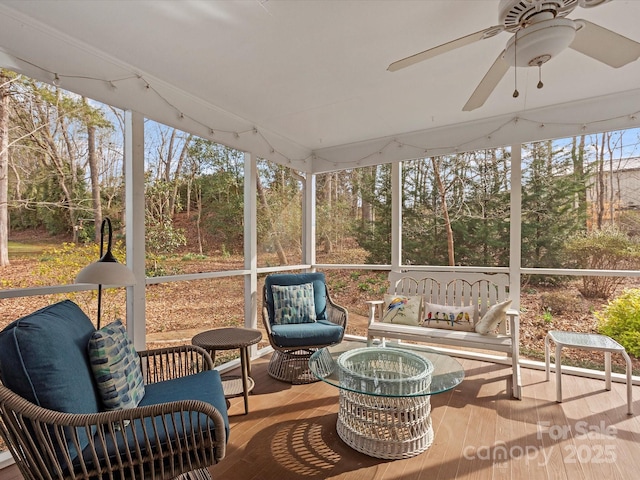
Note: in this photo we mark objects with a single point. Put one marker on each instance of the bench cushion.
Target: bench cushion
(449, 317)
(402, 309)
(440, 335)
(495, 315)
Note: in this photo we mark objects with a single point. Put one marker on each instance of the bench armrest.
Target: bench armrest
(513, 317)
(375, 309)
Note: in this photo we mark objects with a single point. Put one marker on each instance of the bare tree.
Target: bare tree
(4, 168)
(445, 209)
(95, 177)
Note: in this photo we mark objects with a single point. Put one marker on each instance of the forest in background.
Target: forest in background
(61, 173)
(61, 170)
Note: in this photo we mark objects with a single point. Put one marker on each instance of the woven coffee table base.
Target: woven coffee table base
(293, 367)
(200, 474)
(385, 427)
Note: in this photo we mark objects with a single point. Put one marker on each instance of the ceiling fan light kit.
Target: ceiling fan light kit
(539, 42)
(540, 31)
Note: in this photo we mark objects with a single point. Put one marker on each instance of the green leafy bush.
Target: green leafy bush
(620, 320)
(606, 249)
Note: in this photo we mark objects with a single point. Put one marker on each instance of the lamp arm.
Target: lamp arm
(108, 256)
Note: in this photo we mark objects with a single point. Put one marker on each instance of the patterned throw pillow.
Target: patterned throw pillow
(293, 304)
(402, 309)
(490, 321)
(448, 317)
(116, 367)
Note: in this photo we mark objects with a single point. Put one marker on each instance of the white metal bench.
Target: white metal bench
(482, 290)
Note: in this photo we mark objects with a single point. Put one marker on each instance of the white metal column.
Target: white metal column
(135, 233)
(250, 242)
(515, 225)
(396, 215)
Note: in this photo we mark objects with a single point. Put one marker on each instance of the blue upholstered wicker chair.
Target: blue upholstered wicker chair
(56, 423)
(293, 331)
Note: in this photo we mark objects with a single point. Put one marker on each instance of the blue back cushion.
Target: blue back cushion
(43, 358)
(319, 290)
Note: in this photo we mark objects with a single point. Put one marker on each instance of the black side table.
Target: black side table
(229, 339)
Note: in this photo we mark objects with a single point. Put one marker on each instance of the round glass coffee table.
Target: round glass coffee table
(385, 408)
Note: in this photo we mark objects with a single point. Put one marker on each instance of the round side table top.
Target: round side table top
(227, 338)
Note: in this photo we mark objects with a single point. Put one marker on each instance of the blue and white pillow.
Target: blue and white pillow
(116, 367)
(293, 304)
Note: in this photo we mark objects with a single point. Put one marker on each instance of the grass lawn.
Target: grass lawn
(21, 248)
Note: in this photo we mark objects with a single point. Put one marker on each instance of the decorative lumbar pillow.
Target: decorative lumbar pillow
(293, 304)
(449, 317)
(489, 323)
(116, 367)
(402, 309)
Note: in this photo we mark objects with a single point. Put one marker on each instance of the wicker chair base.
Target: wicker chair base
(385, 427)
(293, 367)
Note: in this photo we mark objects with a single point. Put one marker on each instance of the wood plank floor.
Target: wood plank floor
(480, 432)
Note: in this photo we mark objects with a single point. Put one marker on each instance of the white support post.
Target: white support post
(309, 220)
(250, 243)
(135, 232)
(515, 225)
(396, 216)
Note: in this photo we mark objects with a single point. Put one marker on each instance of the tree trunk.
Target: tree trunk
(445, 211)
(181, 158)
(4, 169)
(282, 256)
(95, 178)
(601, 186)
(577, 156)
(198, 194)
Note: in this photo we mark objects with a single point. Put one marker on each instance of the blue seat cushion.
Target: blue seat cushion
(322, 332)
(43, 358)
(315, 278)
(205, 386)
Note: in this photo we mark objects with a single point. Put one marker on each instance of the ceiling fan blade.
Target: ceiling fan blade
(445, 47)
(604, 45)
(488, 84)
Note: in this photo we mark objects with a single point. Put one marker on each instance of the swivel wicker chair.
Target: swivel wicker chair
(297, 337)
(178, 429)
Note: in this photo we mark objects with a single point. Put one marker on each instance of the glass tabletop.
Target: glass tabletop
(593, 341)
(445, 374)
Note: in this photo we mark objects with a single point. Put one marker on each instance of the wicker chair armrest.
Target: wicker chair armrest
(46, 440)
(265, 320)
(168, 363)
(336, 313)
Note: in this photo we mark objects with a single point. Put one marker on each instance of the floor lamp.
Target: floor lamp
(106, 271)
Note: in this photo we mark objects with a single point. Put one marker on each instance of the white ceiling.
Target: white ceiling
(305, 82)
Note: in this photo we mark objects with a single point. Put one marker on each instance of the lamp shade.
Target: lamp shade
(106, 273)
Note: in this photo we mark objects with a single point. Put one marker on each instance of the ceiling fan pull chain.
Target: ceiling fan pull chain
(515, 66)
(540, 84)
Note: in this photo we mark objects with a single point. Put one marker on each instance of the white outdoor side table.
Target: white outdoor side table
(586, 341)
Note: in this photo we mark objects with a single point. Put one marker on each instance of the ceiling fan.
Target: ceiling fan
(540, 32)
